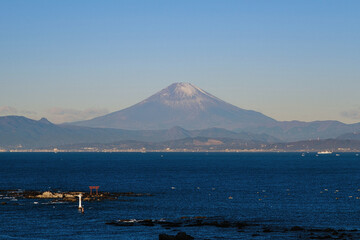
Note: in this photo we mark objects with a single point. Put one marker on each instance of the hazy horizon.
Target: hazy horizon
(69, 61)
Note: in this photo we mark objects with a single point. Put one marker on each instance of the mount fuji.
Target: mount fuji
(181, 112)
(184, 105)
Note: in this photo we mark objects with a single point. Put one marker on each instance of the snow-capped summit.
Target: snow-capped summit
(185, 89)
(182, 95)
(180, 104)
(182, 90)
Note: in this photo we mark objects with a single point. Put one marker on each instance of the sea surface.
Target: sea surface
(279, 190)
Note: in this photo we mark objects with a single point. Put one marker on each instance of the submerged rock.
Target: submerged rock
(179, 236)
(297, 228)
(244, 227)
(182, 222)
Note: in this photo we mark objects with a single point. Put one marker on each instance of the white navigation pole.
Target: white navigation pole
(80, 201)
(81, 208)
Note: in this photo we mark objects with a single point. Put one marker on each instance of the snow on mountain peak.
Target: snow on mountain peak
(186, 89)
(183, 95)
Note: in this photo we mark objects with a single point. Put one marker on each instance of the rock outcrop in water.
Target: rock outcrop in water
(49, 194)
(179, 236)
(70, 196)
(247, 228)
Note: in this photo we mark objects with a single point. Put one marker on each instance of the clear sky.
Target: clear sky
(70, 60)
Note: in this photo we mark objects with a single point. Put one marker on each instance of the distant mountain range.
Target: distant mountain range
(180, 113)
(21, 132)
(187, 106)
(18, 132)
(296, 130)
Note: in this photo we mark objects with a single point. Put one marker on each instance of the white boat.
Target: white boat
(324, 152)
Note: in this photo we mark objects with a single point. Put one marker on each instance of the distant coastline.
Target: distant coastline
(167, 151)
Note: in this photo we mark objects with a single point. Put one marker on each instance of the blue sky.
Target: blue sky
(70, 60)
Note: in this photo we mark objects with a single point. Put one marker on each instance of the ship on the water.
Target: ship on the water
(324, 152)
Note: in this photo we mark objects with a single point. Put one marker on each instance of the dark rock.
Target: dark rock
(324, 237)
(164, 236)
(3, 203)
(179, 236)
(147, 222)
(111, 223)
(183, 236)
(167, 224)
(240, 225)
(197, 223)
(266, 230)
(215, 222)
(342, 235)
(297, 228)
(224, 224)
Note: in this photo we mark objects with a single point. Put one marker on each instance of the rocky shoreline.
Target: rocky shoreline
(252, 229)
(69, 196)
(245, 229)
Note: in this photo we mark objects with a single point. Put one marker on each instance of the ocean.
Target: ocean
(275, 191)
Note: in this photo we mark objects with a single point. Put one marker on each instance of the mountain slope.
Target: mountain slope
(180, 104)
(350, 136)
(297, 130)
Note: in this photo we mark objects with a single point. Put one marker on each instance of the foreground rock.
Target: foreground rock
(179, 236)
(70, 196)
(182, 222)
(252, 229)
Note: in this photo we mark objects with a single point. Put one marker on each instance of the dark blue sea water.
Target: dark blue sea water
(275, 189)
